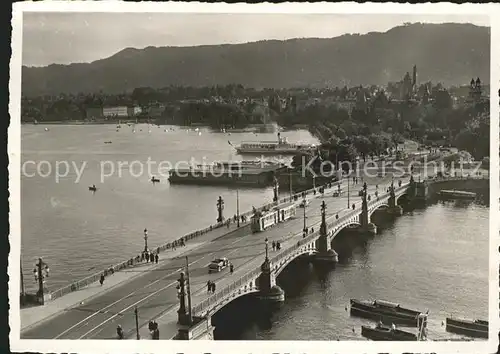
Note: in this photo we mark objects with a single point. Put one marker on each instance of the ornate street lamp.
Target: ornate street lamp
(145, 240)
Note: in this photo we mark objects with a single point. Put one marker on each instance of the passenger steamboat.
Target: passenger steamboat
(471, 328)
(279, 147)
(386, 312)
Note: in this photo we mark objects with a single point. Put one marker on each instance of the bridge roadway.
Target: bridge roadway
(155, 293)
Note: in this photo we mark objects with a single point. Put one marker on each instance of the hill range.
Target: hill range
(448, 53)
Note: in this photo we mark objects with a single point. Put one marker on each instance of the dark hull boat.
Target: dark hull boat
(385, 311)
(476, 328)
(387, 333)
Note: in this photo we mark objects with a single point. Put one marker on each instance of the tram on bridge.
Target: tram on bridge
(266, 219)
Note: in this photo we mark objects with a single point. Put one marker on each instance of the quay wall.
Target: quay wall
(467, 184)
(75, 286)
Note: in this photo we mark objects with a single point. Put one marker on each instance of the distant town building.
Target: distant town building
(475, 91)
(121, 111)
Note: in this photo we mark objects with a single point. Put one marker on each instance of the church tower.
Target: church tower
(414, 81)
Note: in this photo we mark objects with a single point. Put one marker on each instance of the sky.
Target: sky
(65, 37)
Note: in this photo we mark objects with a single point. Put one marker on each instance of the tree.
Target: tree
(363, 145)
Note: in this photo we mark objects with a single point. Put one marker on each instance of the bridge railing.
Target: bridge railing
(224, 293)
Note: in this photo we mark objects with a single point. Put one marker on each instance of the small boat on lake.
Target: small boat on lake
(155, 180)
(385, 311)
(456, 194)
(92, 188)
(382, 332)
(471, 328)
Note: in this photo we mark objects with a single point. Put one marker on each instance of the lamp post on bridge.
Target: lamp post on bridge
(348, 192)
(145, 240)
(275, 190)
(220, 208)
(184, 314)
(305, 226)
(267, 250)
(41, 272)
(238, 208)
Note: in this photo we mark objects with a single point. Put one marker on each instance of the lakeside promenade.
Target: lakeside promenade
(94, 312)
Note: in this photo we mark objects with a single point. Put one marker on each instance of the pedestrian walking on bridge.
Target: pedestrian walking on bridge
(101, 280)
(231, 268)
(147, 257)
(209, 286)
(119, 331)
(274, 245)
(213, 288)
(156, 333)
(157, 258)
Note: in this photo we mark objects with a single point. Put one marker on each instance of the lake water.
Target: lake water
(79, 233)
(434, 258)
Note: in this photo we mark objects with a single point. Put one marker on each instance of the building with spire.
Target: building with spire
(475, 91)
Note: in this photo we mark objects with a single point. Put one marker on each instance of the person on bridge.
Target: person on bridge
(213, 288)
(152, 257)
(399, 183)
(274, 245)
(209, 286)
(231, 268)
(156, 333)
(147, 257)
(157, 258)
(119, 331)
(101, 280)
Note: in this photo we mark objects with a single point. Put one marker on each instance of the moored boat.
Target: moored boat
(471, 328)
(381, 332)
(385, 311)
(456, 194)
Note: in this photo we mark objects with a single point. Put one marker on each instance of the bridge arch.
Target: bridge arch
(377, 207)
(306, 249)
(219, 305)
(401, 196)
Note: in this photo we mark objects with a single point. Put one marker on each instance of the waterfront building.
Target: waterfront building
(121, 111)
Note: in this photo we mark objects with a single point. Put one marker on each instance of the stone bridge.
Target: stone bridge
(317, 245)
